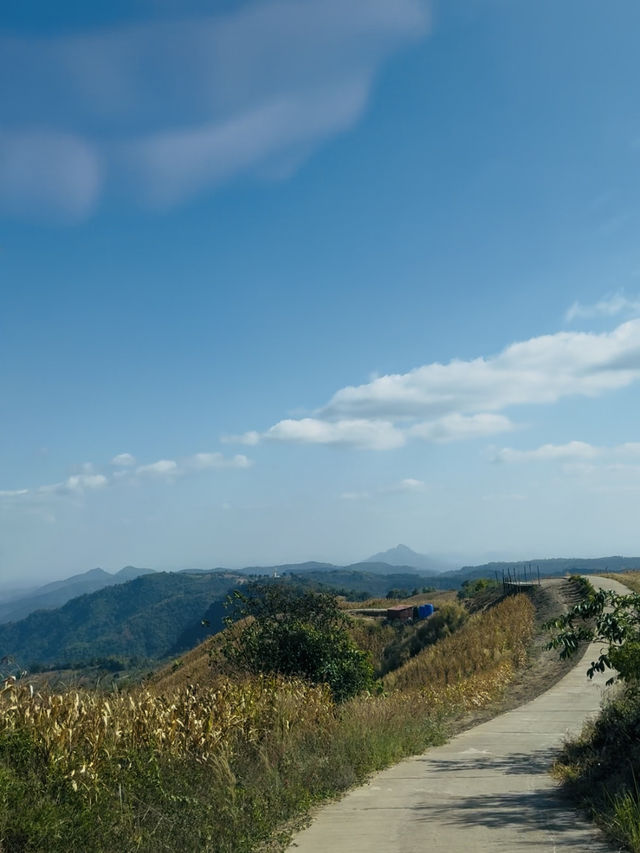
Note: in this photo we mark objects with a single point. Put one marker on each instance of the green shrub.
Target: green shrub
(294, 633)
(472, 587)
(610, 618)
(601, 768)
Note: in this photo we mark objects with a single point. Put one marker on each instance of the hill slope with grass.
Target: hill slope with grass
(205, 758)
(148, 617)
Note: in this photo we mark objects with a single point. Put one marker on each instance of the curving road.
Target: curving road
(488, 789)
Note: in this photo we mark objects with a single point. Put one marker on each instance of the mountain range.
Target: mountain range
(144, 618)
(160, 614)
(57, 593)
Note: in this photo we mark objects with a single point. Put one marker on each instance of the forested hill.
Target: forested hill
(57, 594)
(144, 618)
(549, 567)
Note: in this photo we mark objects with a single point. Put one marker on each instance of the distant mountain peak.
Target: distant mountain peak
(130, 572)
(402, 555)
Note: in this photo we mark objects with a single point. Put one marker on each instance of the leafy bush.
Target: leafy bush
(601, 768)
(607, 617)
(474, 586)
(396, 593)
(296, 633)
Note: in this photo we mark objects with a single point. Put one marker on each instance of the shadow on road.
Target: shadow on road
(515, 763)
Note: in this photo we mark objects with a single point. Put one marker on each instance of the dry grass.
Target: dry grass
(630, 579)
(193, 667)
(371, 636)
(439, 597)
(82, 732)
(220, 766)
(488, 639)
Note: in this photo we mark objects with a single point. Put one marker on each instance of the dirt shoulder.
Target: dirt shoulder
(544, 667)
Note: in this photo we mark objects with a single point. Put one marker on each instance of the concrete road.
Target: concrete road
(488, 789)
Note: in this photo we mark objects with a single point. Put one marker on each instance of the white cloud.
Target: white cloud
(455, 427)
(363, 495)
(123, 460)
(162, 468)
(462, 399)
(407, 486)
(204, 461)
(167, 109)
(579, 454)
(548, 453)
(616, 303)
(250, 438)
(629, 448)
(77, 484)
(360, 433)
(539, 370)
(9, 494)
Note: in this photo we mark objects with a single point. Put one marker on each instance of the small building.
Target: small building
(400, 613)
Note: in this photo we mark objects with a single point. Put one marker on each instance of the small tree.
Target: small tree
(610, 618)
(298, 633)
(474, 586)
(397, 593)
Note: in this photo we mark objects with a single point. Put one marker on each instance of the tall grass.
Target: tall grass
(499, 635)
(630, 579)
(221, 767)
(601, 768)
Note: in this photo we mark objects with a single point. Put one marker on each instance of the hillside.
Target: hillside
(144, 618)
(371, 566)
(550, 567)
(161, 614)
(57, 593)
(360, 581)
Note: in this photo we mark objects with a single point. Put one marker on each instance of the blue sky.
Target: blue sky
(290, 280)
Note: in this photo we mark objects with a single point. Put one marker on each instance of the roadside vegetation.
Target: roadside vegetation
(630, 579)
(223, 765)
(601, 768)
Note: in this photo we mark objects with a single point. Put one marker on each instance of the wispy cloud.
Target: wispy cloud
(168, 109)
(610, 306)
(463, 399)
(48, 173)
(174, 165)
(357, 432)
(161, 468)
(573, 452)
(75, 485)
(10, 494)
(166, 470)
(123, 460)
(204, 461)
(375, 434)
(548, 452)
(407, 486)
(456, 427)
